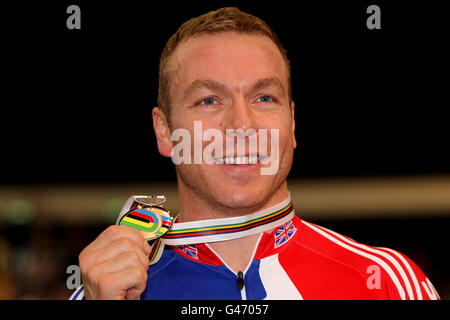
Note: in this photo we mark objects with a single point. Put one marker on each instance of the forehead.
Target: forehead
(227, 57)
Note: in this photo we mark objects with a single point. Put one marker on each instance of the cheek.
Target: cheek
(284, 129)
(285, 141)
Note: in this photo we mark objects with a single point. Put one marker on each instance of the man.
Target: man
(227, 70)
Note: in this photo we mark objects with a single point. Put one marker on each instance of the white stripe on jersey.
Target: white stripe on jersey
(78, 294)
(411, 273)
(430, 290)
(382, 253)
(275, 280)
(385, 266)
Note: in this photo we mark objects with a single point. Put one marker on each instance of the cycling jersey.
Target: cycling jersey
(298, 260)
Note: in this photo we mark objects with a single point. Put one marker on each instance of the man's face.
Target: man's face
(232, 81)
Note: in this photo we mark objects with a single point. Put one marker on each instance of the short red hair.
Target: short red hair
(221, 20)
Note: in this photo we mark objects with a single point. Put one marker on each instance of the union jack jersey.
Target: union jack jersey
(298, 260)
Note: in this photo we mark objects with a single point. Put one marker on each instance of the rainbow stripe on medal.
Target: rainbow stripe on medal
(147, 221)
(152, 221)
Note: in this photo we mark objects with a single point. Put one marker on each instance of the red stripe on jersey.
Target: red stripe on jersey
(399, 268)
(414, 273)
(361, 250)
(405, 270)
(392, 260)
(388, 258)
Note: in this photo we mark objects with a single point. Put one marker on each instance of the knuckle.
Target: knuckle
(133, 256)
(126, 243)
(81, 259)
(112, 231)
(104, 284)
(84, 260)
(82, 254)
(94, 273)
(139, 274)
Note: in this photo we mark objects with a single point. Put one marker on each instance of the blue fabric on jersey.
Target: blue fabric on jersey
(254, 288)
(175, 277)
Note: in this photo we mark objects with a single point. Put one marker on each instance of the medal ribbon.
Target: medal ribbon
(213, 230)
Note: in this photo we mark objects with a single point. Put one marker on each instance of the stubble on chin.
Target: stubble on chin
(231, 200)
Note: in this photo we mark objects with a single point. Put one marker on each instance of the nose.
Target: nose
(241, 116)
(241, 136)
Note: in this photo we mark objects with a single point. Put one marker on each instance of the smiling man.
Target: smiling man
(228, 71)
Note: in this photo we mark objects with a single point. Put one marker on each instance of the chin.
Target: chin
(241, 197)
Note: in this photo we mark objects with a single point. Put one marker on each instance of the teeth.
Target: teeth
(238, 160)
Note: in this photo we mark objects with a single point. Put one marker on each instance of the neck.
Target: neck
(195, 206)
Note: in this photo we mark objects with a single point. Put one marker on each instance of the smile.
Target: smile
(239, 160)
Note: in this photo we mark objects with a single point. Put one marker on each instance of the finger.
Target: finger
(134, 294)
(114, 250)
(113, 233)
(117, 285)
(118, 262)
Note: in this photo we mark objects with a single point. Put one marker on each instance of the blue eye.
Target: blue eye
(264, 99)
(208, 101)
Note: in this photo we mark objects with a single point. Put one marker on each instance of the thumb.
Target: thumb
(134, 294)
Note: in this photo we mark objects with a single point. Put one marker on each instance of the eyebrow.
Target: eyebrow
(208, 84)
(267, 82)
(218, 86)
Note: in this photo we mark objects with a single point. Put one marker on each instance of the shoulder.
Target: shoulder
(385, 271)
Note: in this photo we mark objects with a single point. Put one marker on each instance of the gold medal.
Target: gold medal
(146, 214)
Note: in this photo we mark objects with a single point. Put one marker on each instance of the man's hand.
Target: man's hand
(114, 266)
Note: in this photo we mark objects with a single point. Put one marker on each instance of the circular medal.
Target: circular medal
(152, 222)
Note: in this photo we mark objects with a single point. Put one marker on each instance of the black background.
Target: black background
(76, 104)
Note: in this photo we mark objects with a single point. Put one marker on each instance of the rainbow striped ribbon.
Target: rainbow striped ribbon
(186, 233)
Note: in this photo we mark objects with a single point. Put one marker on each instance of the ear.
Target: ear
(293, 123)
(162, 132)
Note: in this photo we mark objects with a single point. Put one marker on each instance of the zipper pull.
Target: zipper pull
(240, 281)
